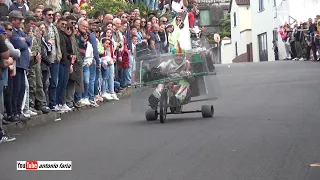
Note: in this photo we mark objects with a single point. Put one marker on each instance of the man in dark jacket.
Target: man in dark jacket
(20, 41)
(4, 63)
(64, 65)
(4, 10)
(75, 83)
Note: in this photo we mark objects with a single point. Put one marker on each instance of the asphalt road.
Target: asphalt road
(266, 127)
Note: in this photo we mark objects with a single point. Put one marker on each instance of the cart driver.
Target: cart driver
(175, 67)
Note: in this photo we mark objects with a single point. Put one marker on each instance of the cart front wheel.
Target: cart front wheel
(207, 111)
(163, 106)
(151, 115)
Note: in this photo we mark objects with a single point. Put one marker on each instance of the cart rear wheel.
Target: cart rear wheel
(207, 111)
(151, 115)
(163, 106)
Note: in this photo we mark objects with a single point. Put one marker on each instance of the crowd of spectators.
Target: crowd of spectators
(57, 61)
(301, 41)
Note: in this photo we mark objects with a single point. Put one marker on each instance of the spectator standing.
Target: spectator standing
(38, 13)
(297, 34)
(18, 5)
(75, 83)
(164, 42)
(94, 66)
(46, 49)
(118, 38)
(64, 65)
(9, 72)
(76, 10)
(81, 98)
(107, 70)
(23, 42)
(5, 61)
(4, 9)
(53, 38)
(311, 40)
(37, 98)
(124, 65)
(155, 39)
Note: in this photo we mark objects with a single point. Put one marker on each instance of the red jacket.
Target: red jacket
(125, 55)
(191, 19)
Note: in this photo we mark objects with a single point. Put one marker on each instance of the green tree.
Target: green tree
(225, 27)
(109, 6)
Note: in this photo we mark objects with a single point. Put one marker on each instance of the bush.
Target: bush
(109, 6)
(225, 27)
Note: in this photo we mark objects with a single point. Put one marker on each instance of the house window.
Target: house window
(236, 48)
(261, 5)
(205, 19)
(234, 19)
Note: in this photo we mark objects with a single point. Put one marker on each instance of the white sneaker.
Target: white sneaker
(31, 113)
(86, 101)
(114, 96)
(26, 115)
(301, 59)
(107, 96)
(56, 108)
(65, 108)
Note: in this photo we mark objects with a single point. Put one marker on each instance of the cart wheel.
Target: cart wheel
(151, 115)
(207, 111)
(163, 106)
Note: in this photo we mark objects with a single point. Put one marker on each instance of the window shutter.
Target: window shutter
(205, 19)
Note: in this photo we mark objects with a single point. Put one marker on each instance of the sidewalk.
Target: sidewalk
(53, 116)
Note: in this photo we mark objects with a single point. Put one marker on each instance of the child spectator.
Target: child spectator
(107, 70)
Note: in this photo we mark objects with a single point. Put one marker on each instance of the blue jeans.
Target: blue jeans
(18, 90)
(124, 77)
(132, 61)
(92, 80)
(110, 79)
(104, 83)
(116, 85)
(152, 4)
(86, 77)
(54, 71)
(97, 83)
(62, 83)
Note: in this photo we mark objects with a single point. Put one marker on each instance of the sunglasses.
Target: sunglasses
(49, 14)
(178, 19)
(63, 24)
(9, 29)
(164, 21)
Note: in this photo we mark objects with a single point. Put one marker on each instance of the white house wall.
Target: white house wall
(245, 17)
(235, 30)
(262, 22)
(227, 52)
